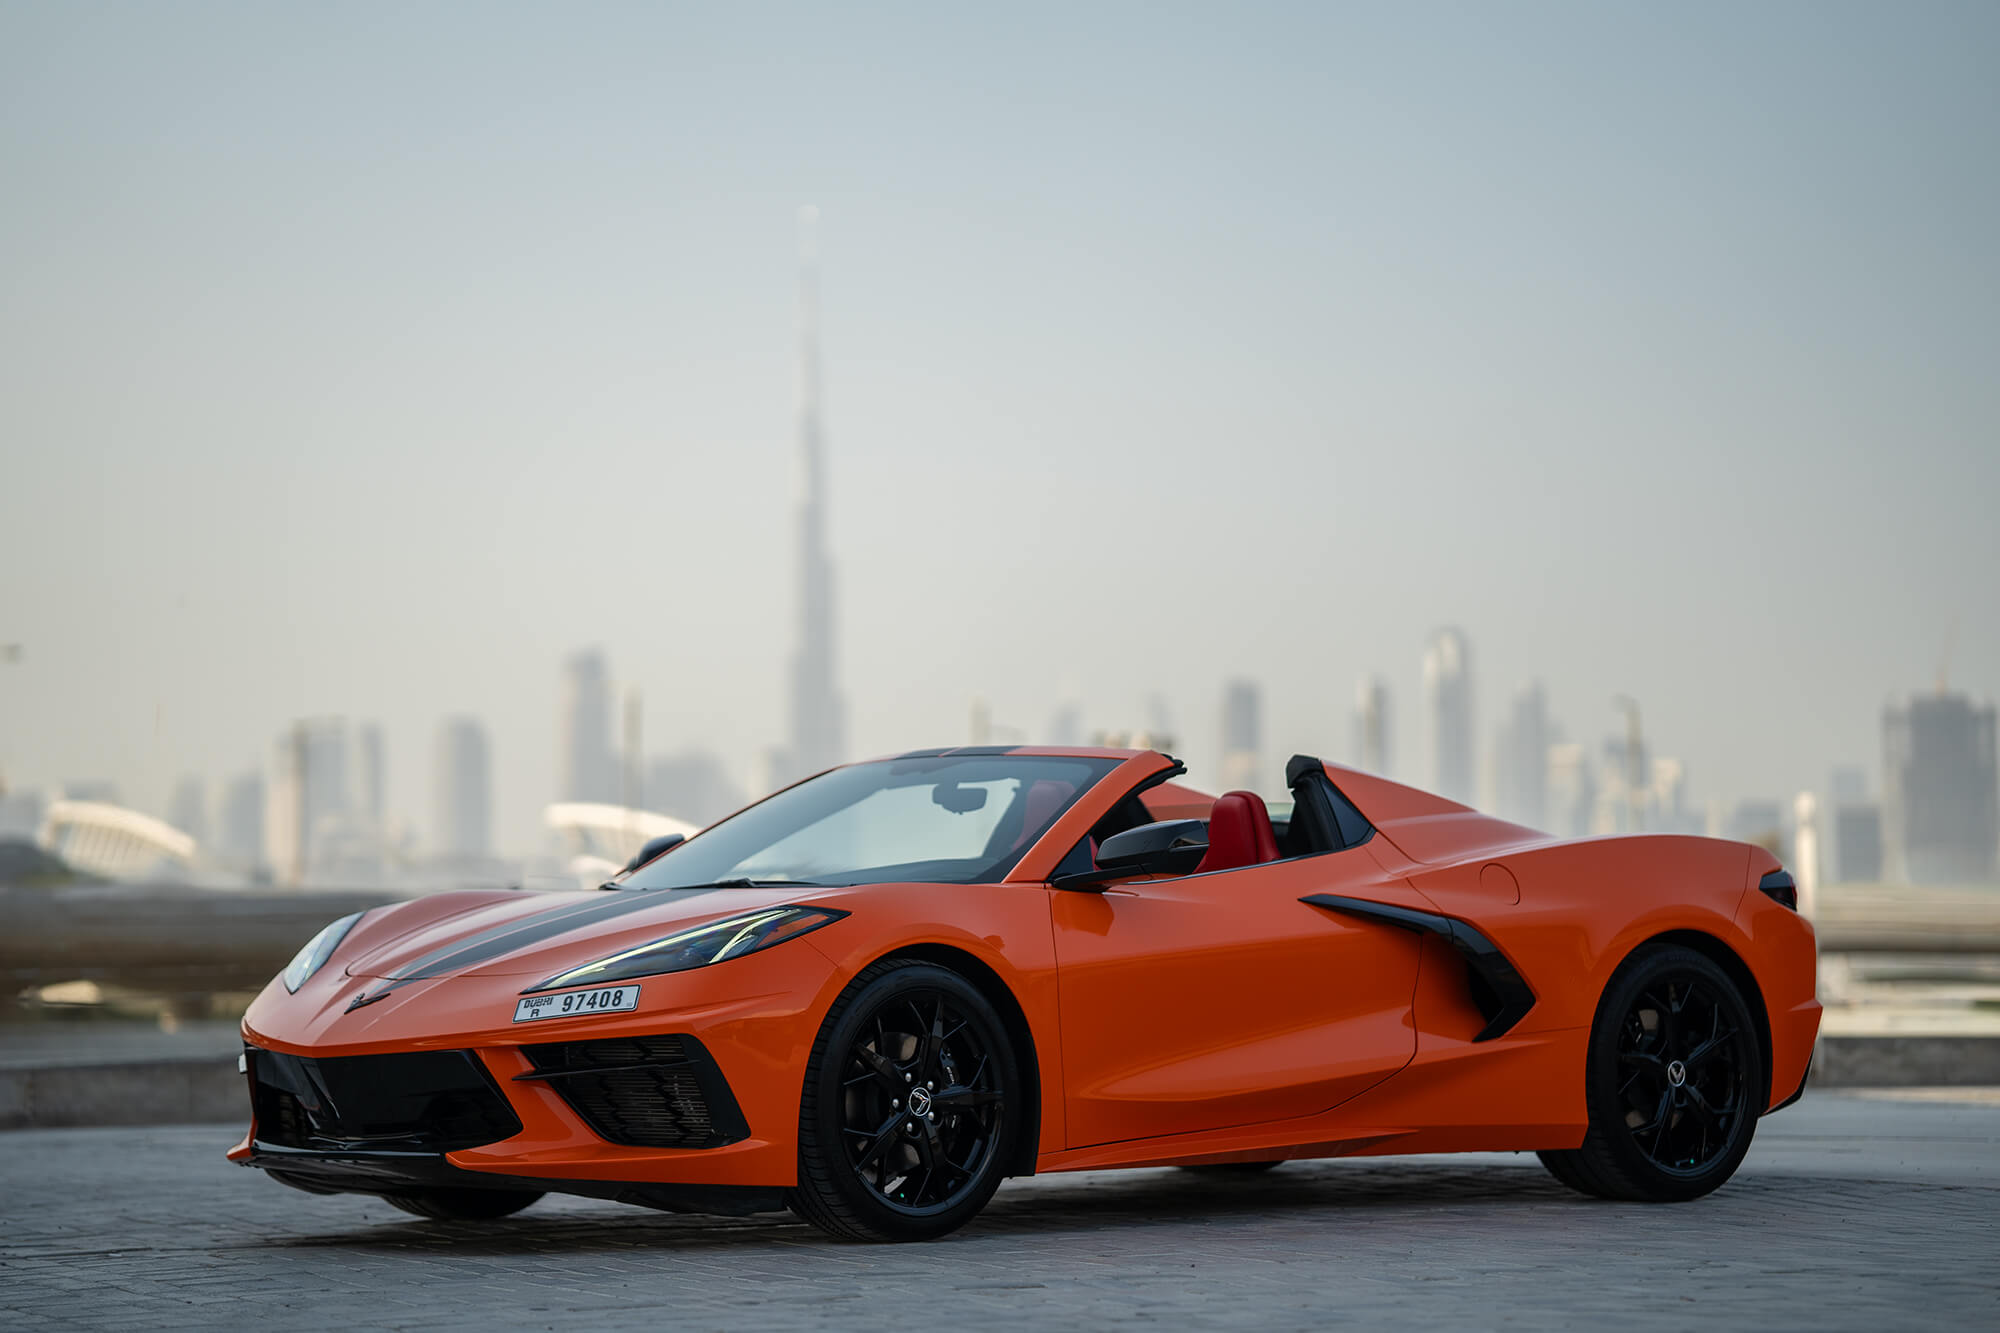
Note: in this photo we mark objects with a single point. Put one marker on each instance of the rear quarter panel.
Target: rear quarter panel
(1583, 908)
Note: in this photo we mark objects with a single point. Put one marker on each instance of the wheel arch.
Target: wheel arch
(1717, 951)
(1001, 996)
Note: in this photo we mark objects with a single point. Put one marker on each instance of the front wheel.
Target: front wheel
(912, 1102)
(1673, 1082)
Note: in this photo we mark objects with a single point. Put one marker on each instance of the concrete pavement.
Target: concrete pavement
(1850, 1213)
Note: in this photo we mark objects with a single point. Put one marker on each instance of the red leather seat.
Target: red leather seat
(1239, 833)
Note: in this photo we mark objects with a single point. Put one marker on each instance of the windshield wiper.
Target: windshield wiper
(739, 882)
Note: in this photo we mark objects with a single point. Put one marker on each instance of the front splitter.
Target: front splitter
(381, 1171)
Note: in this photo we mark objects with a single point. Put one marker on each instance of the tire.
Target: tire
(904, 1037)
(1563, 1167)
(463, 1205)
(1227, 1170)
(1673, 1082)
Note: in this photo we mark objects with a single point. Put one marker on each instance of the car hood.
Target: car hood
(542, 934)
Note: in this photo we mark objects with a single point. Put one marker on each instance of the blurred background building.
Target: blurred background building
(1242, 748)
(1372, 735)
(818, 721)
(589, 768)
(1941, 805)
(1855, 829)
(1521, 760)
(462, 829)
(1448, 706)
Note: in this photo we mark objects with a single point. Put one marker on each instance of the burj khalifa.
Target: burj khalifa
(818, 737)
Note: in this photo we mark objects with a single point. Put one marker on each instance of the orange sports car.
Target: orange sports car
(873, 995)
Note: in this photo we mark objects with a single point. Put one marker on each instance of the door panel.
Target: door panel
(1218, 1000)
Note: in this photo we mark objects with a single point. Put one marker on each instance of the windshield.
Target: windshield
(952, 820)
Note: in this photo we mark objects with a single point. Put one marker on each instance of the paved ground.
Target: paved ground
(1850, 1213)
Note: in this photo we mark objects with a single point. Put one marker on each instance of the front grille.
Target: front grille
(423, 1101)
(643, 1092)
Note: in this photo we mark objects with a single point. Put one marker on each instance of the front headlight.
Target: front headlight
(318, 949)
(731, 937)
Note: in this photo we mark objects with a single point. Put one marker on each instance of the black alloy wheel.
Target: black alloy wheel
(463, 1205)
(911, 1104)
(1674, 1082)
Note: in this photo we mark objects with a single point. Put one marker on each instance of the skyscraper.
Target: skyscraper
(308, 794)
(1448, 703)
(589, 769)
(1065, 726)
(1242, 709)
(463, 791)
(1521, 760)
(1941, 804)
(187, 809)
(240, 843)
(818, 733)
(1572, 789)
(1857, 843)
(1371, 727)
(368, 763)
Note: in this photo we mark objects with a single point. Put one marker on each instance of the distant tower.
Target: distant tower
(308, 794)
(818, 736)
(589, 771)
(1448, 698)
(241, 845)
(1571, 790)
(1940, 809)
(1521, 761)
(1242, 707)
(463, 816)
(368, 760)
(1065, 726)
(1371, 726)
(187, 809)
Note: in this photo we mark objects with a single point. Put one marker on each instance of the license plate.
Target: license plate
(566, 1003)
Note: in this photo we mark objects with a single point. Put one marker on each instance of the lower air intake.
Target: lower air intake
(422, 1101)
(643, 1092)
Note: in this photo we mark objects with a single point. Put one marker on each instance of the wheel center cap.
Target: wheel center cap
(920, 1101)
(1677, 1074)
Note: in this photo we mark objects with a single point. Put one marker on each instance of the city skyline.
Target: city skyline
(1501, 321)
(324, 781)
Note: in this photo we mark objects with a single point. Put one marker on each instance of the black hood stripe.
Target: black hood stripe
(498, 941)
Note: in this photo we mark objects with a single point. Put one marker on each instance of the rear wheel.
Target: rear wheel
(474, 1205)
(1673, 1082)
(911, 1106)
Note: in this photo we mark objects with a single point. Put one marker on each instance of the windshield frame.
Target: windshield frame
(685, 866)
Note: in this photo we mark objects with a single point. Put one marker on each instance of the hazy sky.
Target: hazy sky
(367, 359)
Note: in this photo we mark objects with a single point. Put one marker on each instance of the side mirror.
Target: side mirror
(1171, 847)
(653, 847)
